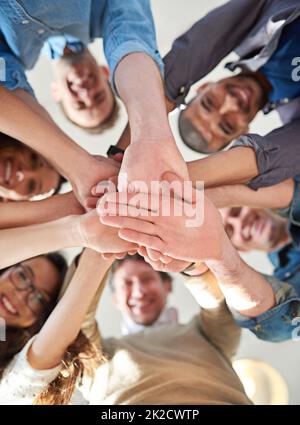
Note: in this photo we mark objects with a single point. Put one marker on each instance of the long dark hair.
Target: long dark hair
(81, 358)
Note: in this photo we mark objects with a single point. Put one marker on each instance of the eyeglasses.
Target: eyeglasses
(22, 281)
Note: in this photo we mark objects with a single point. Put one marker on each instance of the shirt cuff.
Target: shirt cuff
(284, 294)
(127, 48)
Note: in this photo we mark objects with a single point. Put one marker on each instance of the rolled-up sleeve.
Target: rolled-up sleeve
(12, 74)
(199, 50)
(277, 154)
(280, 322)
(128, 27)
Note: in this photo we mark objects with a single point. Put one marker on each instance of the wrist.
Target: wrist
(228, 263)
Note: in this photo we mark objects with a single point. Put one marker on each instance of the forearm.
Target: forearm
(231, 167)
(143, 97)
(19, 214)
(58, 149)
(244, 289)
(78, 297)
(277, 196)
(26, 242)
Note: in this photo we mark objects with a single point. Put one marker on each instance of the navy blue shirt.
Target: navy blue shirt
(279, 68)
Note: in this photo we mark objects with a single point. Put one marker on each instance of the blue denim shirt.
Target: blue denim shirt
(282, 322)
(126, 26)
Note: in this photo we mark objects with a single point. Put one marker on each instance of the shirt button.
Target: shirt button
(25, 22)
(258, 328)
(287, 275)
(41, 31)
(182, 89)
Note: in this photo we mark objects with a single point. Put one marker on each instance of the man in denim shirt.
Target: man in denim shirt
(135, 66)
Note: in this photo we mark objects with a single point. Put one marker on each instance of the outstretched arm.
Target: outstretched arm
(91, 270)
(73, 162)
(237, 195)
(25, 213)
(73, 231)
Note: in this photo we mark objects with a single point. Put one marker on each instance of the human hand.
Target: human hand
(171, 235)
(146, 161)
(99, 237)
(91, 173)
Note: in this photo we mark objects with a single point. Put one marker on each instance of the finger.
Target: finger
(139, 200)
(107, 256)
(90, 203)
(124, 214)
(105, 186)
(156, 265)
(120, 255)
(142, 251)
(128, 223)
(165, 259)
(152, 242)
(180, 189)
(152, 254)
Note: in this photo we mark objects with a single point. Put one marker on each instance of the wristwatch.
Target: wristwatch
(113, 150)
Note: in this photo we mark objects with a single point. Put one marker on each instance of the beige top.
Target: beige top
(171, 364)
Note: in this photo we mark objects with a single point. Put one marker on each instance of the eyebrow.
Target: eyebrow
(226, 128)
(30, 270)
(205, 104)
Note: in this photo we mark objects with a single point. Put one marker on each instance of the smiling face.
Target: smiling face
(250, 228)
(221, 112)
(83, 88)
(19, 307)
(24, 173)
(139, 291)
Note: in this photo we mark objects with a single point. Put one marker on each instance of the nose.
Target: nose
(137, 290)
(230, 104)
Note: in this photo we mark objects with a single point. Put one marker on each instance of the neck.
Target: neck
(264, 84)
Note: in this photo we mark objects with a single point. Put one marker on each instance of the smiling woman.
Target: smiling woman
(24, 174)
(28, 294)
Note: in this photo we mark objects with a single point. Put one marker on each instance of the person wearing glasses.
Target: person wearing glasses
(172, 363)
(28, 293)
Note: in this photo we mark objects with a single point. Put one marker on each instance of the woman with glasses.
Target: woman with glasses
(46, 353)
(28, 293)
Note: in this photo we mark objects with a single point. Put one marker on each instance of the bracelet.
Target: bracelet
(192, 267)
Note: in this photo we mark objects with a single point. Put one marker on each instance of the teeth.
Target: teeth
(8, 305)
(8, 170)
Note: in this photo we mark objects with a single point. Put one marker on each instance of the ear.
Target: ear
(203, 86)
(55, 91)
(105, 71)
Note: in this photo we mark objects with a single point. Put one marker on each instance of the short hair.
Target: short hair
(108, 123)
(192, 137)
(166, 277)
